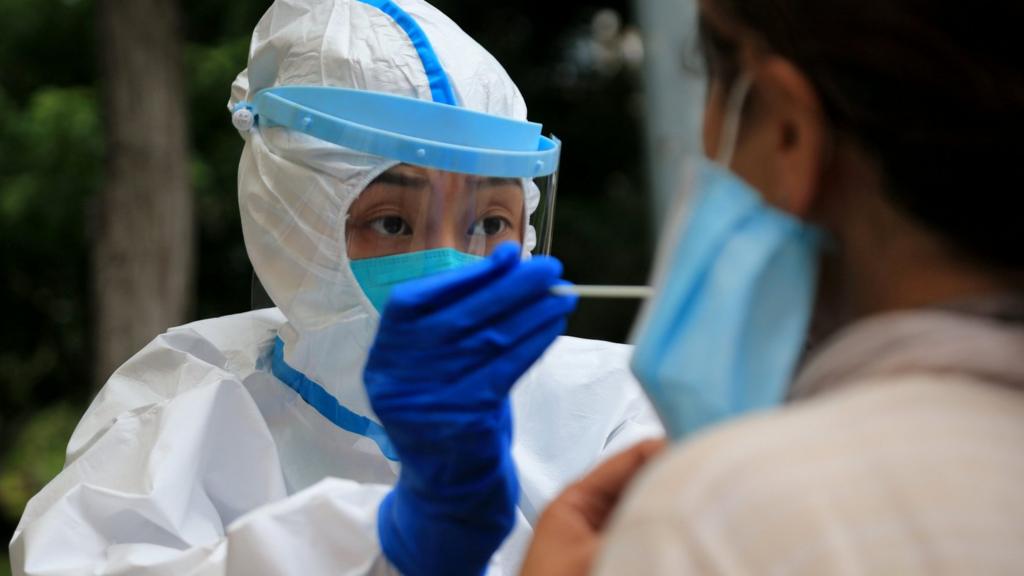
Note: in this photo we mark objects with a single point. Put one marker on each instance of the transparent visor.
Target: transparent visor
(412, 209)
(412, 222)
(459, 184)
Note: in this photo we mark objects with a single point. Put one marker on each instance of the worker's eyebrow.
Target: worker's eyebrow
(496, 182)
(403, 179)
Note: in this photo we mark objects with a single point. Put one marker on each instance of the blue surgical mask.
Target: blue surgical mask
(736, 282)
(378, 276)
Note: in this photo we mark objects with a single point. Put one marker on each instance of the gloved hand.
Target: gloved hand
(448, 350)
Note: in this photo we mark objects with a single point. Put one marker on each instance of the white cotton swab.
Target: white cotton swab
(603, 291)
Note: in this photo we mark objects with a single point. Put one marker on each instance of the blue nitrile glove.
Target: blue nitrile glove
(448, 351)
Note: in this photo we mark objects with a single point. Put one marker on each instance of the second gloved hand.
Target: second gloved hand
(447, 353)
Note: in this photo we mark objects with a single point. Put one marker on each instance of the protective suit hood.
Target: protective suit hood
(295, 190)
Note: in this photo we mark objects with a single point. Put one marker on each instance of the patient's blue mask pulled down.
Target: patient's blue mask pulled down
(735, 281)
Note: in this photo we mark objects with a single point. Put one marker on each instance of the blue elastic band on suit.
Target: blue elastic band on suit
(440, 88)
(327, 405)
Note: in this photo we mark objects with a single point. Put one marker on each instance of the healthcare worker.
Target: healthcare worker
(862, 203)
(382, 145)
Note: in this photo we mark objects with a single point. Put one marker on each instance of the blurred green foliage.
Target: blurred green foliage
(51, 160)
(31, 460)
(50, 164)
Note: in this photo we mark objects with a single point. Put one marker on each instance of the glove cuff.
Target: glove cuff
(425, 538)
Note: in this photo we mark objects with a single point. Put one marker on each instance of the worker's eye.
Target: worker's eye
(390, 226)
(490, 226)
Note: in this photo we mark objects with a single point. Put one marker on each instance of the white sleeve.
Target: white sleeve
(193, 485)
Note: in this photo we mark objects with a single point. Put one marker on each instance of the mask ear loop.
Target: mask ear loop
(676, 220)
(733, 116)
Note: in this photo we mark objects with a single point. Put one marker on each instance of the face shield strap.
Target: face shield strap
(408, 130)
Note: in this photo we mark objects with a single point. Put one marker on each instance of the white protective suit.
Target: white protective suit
(195, 459)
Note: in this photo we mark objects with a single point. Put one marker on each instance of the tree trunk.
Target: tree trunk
(143, 252)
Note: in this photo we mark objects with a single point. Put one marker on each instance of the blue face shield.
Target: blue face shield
(489, 178)
(735, 286)
(378, 276)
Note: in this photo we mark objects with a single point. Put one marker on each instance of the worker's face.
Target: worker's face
(410, 209)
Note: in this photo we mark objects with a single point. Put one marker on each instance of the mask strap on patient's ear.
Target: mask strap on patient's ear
(733, 116)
